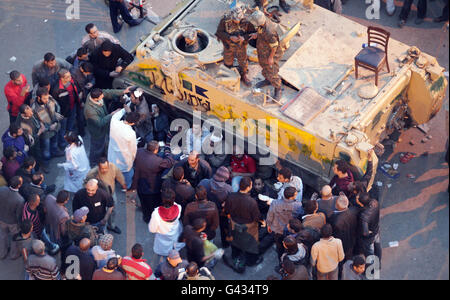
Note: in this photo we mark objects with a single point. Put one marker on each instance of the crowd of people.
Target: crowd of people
(186, 198)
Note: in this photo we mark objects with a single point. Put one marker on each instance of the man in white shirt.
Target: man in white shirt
(122, 143)
(286, 178)
(195, 137)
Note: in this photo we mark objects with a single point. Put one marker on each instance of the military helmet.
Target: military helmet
(237, 13)
(190, 33)
(257, 18)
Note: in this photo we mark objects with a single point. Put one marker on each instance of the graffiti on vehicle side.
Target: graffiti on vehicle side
(194, 95)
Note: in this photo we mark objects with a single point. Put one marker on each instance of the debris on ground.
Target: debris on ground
(411, 142)
(411, 176)
(393, 244)
(406, 157)
(388, 171)
(13, 58)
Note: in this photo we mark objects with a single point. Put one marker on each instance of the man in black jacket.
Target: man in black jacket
(147, 177)
(344, 221)
(105, 61)
(368, 227)
(244, 216)
(195, 168)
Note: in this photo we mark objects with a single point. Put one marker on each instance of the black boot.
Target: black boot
(277, 94)
(262, 83)
(286, 7)
(245, 80)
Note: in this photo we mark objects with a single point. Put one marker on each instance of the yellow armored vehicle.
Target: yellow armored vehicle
(325, 113)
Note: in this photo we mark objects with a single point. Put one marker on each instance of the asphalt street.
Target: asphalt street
(414, 211)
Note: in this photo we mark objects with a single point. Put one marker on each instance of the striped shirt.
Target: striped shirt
(136, 269)
(33, 215)
(42, 267)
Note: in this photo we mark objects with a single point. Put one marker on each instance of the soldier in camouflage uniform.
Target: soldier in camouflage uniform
(269, 51)
(262, 4)
(234, 32)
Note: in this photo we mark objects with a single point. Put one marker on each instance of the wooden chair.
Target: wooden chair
(374, 57)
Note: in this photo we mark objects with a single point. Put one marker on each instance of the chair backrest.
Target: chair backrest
(379, 36)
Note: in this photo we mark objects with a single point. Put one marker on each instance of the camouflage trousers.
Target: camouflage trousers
(240, 53)
(270, 73)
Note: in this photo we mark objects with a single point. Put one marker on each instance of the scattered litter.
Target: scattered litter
(406, 157)
(429, 137)
(46, 20)
(395, 166)
(389, 171)
(424, 140)
(389, 185)
(13, 58)
(53, 11)
(411, 142)
(410, 176)
(393, 244)
(379, 183)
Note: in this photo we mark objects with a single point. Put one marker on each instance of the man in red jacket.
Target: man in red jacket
(17, 91)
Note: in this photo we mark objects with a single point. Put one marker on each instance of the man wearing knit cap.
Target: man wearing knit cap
(78, 228)
(103, 250)
(234, 32)
(269, 51)
(80, 214)
(171, 267)
(344, 221)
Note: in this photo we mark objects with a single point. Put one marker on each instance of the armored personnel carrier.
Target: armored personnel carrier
(325, 113)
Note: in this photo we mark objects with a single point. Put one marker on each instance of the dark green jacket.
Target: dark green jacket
(97, 116)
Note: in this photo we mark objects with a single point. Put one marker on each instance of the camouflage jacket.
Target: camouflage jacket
(227, 28)
(268, 38)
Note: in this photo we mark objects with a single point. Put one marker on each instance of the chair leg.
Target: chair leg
(376, 78)
(387, 65)
(356, 71)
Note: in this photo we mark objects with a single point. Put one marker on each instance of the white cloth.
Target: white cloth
(76, 167)
(101, 256)
(166, 234)
(122, 143)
